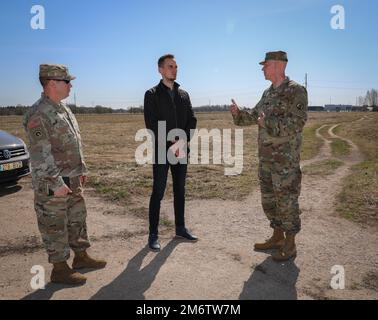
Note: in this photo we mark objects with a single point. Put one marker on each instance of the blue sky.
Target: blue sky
(112, 47)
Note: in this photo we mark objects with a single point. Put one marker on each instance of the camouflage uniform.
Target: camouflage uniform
(279, 143)
(57, 159)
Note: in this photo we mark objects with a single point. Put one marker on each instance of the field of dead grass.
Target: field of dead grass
(110, 145)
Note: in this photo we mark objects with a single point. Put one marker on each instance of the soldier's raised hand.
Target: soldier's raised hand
(261, 120)
(62, 192)
(234, 108)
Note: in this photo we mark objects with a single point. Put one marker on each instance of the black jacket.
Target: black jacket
(159, 106)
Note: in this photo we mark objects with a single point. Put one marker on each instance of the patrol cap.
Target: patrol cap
(275, 55)
(54, 72)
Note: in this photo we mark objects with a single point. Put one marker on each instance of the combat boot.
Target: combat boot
(83, 260)
(275, 242)
(289, 250)
(62, 273)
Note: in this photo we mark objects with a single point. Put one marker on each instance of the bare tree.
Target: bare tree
(361, 101)
(372, 98)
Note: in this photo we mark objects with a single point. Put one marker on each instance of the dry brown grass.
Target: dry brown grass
(359, 199)
(110, 147)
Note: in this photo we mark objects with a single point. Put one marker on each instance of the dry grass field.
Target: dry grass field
(110, 153)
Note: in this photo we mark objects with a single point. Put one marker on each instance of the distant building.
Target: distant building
(315, 108)
(338, 107)
(360, 108)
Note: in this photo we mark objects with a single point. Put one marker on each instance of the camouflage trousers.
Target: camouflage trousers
(280, 190)
(61, 221)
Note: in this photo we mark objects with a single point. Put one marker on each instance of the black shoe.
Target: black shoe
(153, 242)
(184, 233)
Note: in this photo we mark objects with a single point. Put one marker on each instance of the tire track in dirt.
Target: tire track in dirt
(325, 149)
(318, 197)
(355, 156)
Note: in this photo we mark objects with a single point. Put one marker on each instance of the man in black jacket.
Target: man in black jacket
(167, 104)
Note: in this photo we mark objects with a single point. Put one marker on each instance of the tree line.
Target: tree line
(369, 100)
(20, 110)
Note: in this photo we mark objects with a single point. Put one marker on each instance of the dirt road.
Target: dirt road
(222, 265)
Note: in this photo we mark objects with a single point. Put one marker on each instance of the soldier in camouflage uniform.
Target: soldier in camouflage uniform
(58, 175)
(281, 115)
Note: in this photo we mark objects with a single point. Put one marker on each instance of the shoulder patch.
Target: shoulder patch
(36, 129)
(37, 134)
(34, 123)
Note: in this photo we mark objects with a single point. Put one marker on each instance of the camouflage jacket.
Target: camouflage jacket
(55, 143)
(285, 109)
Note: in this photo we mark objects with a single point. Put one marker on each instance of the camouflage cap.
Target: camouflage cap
(275, 55)
(54, 72)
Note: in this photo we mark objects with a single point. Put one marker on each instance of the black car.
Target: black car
(14, 158)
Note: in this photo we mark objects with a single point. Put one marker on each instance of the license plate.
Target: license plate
(11, 166)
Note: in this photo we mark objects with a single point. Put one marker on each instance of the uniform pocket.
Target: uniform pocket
(42, 188)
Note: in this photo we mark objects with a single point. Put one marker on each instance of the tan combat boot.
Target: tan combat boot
(275, 242)
(62, 273)
(83, 260)
(289, 250)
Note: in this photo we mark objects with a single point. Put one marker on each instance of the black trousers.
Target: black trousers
(160, 174)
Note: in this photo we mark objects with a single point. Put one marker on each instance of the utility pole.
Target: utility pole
(306, 81)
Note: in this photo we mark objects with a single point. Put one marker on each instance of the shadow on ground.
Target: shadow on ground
(47, 293)
(272, 281)
(133, 282)
(8, 188)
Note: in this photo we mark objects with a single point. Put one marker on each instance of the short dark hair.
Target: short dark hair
(163, 58)
(44, 82)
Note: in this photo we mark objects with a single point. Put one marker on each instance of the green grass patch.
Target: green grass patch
(311, 143)
(358, 201)
(110, 191)
(340, 148)
(322, 168)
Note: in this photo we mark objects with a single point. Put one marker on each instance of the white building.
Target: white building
(338, 107)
